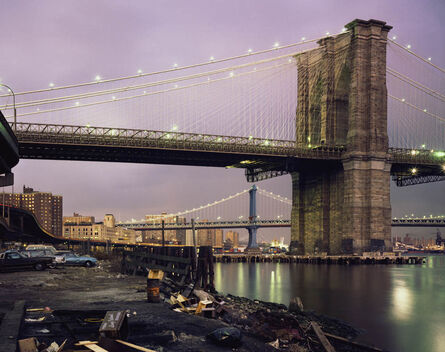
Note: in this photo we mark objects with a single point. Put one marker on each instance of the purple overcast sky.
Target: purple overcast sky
(72, 40)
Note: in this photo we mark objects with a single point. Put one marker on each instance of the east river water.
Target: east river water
(400, 307)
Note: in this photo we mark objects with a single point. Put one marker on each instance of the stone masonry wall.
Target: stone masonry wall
(342, 101)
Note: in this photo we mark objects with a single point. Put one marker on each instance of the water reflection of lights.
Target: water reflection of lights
(438, 340)
(402, 301)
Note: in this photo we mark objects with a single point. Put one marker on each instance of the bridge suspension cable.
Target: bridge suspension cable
(144, 94)
(416, 55)
(200, 208)
(275, 196)
(425, 111)
(179, 68)
(148, 85)
(434, 93)
(416, 97)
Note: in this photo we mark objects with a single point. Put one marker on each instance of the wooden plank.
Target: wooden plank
(28, 345)
(135, 346)
(84, 343)
(95, 348)
(360, 345)
(322, 338)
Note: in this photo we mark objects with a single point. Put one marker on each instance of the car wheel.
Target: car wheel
(39, 266)
(88, 264)
(52, 266)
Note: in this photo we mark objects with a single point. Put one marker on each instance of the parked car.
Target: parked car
(33, 247)
(57, 259)
(76, 259)
(14, 260)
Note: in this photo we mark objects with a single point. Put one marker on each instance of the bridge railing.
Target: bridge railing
(70, 134)
(203, 225)
(416, 156)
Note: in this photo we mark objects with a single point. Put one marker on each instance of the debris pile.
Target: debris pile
(107, 331)
(283, 328)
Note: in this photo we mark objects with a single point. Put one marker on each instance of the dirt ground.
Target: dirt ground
(151, 325)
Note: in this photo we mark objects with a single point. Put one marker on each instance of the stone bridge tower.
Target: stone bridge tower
(342, 101)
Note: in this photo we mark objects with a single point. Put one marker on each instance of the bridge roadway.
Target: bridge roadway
(407, 222)
(257, 155)
(9, 150)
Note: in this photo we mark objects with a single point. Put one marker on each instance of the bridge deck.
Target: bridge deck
(68, 142)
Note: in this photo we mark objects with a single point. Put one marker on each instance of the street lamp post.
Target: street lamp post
(13, 103)
(15, 130)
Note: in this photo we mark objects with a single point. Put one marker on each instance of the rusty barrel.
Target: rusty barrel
(153, 291)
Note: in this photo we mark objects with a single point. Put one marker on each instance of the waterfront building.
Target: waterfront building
(233, 236)
(218, 238)
(84, 227)
(155, 236)
(46, 207)
(205, 237)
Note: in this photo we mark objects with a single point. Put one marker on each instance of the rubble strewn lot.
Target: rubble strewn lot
(70, 303)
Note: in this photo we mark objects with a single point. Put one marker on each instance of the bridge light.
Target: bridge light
(424, 110)
(408, 46)
(343, 30)
(276, 45)
(174, 128)
(414, 171)
(439, 154)
(51, 85)
(97, 78)
(423, 146)
(231, 74)
(139, 71)
(413, 152)
(249, 51)
(250, 137)
(303, 39)
(77, 103)
(176, 86)
(113, 97)
(394, 37)
(327, 33)
(212, 58)
(88, 125)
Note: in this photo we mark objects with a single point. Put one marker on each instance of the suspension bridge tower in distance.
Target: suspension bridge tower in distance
(252, 245)
(342, 101)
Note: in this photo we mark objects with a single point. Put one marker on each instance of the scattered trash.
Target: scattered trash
(44, 331)
(296, 305)
(153, 284)
(28, 345)
(114, 325)
(31, 320)
(275, 344)
(228, 336)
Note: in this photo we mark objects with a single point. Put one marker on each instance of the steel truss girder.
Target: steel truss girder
(255, 175)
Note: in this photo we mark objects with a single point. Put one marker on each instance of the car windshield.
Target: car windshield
(15, 255)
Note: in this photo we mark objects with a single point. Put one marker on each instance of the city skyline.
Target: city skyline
(118, 40)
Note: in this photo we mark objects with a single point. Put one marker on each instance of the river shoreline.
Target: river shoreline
(156, 325)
